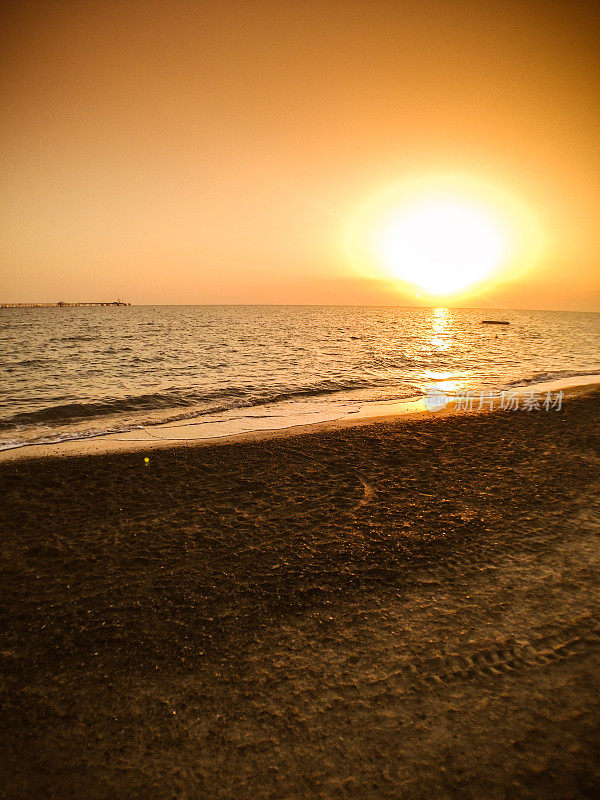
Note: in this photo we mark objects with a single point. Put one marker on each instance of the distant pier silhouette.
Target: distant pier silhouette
(61, 304)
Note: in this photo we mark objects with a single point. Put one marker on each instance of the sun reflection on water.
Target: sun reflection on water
(441, 339)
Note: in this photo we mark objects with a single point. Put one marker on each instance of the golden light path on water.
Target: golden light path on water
(443, 237)
(441, 340)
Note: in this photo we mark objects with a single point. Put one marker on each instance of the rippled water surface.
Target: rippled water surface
(78, 372)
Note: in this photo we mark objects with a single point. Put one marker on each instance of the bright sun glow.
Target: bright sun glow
(443, 237)
(443, 246)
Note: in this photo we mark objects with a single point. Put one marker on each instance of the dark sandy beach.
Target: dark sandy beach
(407, 609)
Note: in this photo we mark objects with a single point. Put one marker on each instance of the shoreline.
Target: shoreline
(369, 413)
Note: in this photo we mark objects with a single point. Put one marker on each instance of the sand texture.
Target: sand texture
(405, 610)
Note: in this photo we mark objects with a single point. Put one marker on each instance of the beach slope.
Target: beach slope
(403, 609)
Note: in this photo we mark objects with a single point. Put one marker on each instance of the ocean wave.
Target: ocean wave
(556, 375)
(78, 338)
(27, 362)
(204, 402)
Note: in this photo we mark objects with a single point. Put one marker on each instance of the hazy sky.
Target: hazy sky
(194, 152)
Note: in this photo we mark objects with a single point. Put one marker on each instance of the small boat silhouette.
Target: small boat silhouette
(494, 322)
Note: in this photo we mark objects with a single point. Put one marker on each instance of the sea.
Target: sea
(200, 371)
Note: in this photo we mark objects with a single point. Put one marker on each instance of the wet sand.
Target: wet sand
(407, 609)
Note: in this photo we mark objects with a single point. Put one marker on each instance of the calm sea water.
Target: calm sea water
(79, 372)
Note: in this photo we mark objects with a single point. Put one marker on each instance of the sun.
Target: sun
(442, 237)
(441, 245)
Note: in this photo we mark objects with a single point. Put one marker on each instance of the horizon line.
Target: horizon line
(15, 304)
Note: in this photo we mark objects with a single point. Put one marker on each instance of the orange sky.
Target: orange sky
(192, 152)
